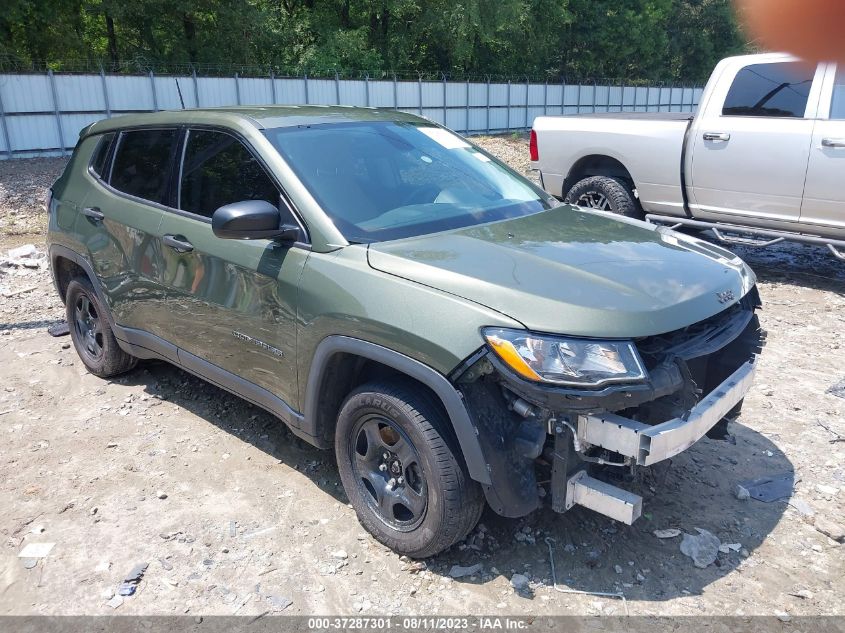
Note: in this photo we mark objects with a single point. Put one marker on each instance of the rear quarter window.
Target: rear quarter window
(770, 90)
(99, 160)
(142, 163)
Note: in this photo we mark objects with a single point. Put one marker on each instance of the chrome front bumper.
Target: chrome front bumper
(650, 444)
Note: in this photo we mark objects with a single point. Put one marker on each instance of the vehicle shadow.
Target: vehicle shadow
(797, 264)
(695, 490)
(595, 554)
(237, 417)
(30, 325)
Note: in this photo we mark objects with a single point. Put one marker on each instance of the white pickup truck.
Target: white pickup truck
(762, 161)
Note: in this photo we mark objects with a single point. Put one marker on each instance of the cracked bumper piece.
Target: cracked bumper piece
(650, 444)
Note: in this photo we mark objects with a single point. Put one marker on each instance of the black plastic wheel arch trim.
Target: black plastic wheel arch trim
(450, 397)
(57, 251)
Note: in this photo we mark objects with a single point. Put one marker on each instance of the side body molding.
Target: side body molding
(439, 384)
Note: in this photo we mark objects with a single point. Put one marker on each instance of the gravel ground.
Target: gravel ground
(234, 515)
(23, 185)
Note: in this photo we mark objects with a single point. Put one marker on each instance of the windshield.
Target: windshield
(387, 180)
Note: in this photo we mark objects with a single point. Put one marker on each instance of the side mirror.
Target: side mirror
(251, 220)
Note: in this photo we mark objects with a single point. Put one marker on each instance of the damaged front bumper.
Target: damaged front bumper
(645, 445)
(545, 443)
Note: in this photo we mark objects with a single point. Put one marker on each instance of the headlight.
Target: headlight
(566, 361)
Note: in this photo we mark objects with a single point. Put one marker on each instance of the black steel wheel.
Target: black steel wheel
(91, 331)
(89, 327)
(402, 469)
(387, 467)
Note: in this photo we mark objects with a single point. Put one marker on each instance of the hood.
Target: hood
(575, 271)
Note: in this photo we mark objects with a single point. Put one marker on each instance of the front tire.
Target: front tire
(402, 471)
(91, 333)
(605, 194)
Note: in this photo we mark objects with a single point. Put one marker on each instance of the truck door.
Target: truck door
(752, 143)
(824, 193)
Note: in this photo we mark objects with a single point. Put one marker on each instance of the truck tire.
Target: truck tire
(607, 194)
(91, 333)
(402, 471)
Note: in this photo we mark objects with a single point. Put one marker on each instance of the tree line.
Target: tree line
(656, 40)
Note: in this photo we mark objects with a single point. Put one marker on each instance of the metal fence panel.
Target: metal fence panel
(80, 93)
(255, 91)
(498, 95)
(456, 95)
(432, 94)
(43, 113)
(35, 132)
(353, 92)
(26, 93)
(408, 95)
(217, 91)
(435, 114)
(290, 91)
(381, 94)
(72, 124)
(322, 92)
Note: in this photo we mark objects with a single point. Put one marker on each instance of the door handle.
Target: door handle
(717, 136)
(93, 213)
(178, 243)
(833, 142)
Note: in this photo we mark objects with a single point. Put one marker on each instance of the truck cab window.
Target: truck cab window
(837, 101)
(218, 170)
(770, 90)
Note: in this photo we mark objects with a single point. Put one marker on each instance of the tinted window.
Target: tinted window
(219, 170)
(142, 163)
(837, 103)
(386, 180)
(101, 154)
(777, 90)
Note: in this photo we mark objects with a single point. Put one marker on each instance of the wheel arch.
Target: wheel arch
(67, 264)
(341, 363)
(595, 165)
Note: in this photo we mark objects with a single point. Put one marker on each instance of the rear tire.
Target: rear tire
(91, 333)
(402, 470)
(606, 194)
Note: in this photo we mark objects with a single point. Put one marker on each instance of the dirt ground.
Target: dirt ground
(234, 515)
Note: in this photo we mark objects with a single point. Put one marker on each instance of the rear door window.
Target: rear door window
(770, 90)
(218, 170)
(142, 163)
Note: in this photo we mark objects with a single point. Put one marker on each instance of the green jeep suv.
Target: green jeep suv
(392, 292)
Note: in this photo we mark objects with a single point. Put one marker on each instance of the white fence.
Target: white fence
(42, 114)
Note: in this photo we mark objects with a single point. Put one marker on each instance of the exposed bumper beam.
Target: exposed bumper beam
(650, 444)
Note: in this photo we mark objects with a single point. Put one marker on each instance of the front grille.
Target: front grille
(696, 340)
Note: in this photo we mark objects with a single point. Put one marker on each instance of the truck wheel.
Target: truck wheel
(401, 469)
(607, 194)
(90, 331)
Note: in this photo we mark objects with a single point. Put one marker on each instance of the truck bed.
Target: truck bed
(636, 116)
(648, 144)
